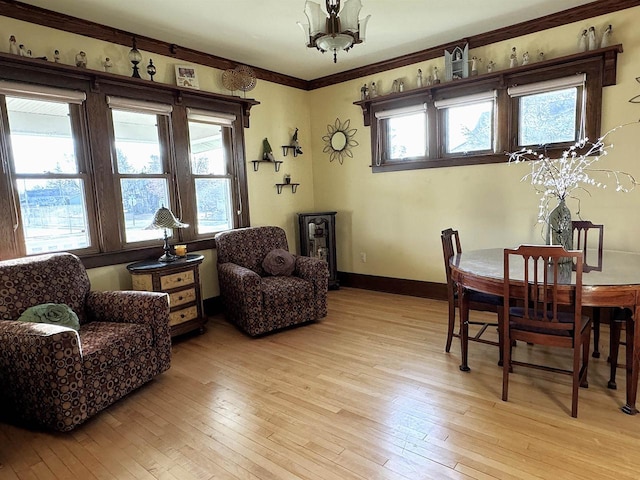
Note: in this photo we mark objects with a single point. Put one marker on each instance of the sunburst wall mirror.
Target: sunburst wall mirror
(339, 140)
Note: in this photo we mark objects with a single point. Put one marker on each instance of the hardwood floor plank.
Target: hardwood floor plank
(366, 393)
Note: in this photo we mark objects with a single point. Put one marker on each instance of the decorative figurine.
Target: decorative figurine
(401, 86)
(419, 78)
(151, 69)
(56, 56)
(593, 42)
(474, 65)
(81, 60)
(364, 92)
(490, 66)
(429, 80)
(436, 80)
(525, 58)
(267, 152)
(394, 88)
(107, 64)
(373, 91)
(296, 145)
(13, 45)
(22, 50)
(582, 43)
(513, 58)
(606, 37)
(541, 56)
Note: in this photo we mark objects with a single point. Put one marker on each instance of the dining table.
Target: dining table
(610, 279)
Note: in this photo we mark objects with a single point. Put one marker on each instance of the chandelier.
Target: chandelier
(335, 30)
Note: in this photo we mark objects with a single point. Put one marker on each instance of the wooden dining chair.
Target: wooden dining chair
(542, 320)
(477, 301)
(581, 242)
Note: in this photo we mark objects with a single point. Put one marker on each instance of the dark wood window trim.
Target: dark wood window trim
(598, 65)
(96, 143)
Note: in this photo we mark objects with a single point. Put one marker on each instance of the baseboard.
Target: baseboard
(400, 286)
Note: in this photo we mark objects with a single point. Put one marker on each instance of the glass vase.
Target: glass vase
(559, 227)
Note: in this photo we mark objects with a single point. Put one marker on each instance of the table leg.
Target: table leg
(632, 373)
(463, 297)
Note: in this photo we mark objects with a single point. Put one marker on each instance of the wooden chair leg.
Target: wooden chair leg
(451, 326)
(614, 348)
(506, 367)
(595, 318)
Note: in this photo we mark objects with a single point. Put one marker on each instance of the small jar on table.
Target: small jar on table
(181, 280)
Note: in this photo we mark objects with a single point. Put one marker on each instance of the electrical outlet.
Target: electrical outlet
(363, 257)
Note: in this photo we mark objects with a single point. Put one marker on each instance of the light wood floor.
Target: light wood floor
(367, 393)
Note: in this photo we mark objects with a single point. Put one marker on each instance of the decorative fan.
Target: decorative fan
(247, 78)
(230, 80)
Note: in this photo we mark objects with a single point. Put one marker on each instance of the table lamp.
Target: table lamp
(164, 219)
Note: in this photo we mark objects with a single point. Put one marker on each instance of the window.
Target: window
(85, 166)
(475, 120)
(468, 123)
(141, 166)
(550, 112)
(210, 153)
(52, 204)
(403, 134)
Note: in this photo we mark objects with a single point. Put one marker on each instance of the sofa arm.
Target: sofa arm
(241, 293)
(41, 379)
(129, 306)
(313, 270)
(316, 271)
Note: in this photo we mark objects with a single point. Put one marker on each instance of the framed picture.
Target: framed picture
(186, 76)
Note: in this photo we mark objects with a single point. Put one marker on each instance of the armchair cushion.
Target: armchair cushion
(53, 313)
(279, 262)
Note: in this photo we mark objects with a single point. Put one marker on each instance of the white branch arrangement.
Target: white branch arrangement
(575, 169)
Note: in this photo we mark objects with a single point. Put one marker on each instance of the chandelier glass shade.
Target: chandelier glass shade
(337, 29)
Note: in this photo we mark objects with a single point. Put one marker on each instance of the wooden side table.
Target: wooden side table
(181, 280)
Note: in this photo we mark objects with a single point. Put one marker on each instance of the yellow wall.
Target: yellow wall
(395, 218)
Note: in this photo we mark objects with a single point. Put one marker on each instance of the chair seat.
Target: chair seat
(563, 317)
(487, 298)
(279, 291)
(108, 343)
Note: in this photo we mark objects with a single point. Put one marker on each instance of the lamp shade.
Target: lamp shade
(164, 218)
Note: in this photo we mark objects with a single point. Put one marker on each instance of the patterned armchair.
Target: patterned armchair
(56, 377)
(259, 303)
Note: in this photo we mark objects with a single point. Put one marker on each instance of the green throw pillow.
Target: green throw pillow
(53, 313)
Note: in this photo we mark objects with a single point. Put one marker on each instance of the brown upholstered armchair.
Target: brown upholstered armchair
(259, 303)
(57, 377)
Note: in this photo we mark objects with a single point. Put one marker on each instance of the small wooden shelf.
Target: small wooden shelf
(294, 187)
(256, 164)
(286, 148)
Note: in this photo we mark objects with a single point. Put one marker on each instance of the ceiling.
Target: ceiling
(263, 33)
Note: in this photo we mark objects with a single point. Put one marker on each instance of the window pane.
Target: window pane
(141, 197)
(41, 136)
(54, 215)
(213, 200)
(207, 149)
(137, 142)
(469, 128)
(548, 117)
(407, 136)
